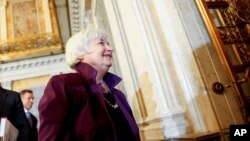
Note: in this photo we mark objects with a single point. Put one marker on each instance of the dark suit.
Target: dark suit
(11, 107)
(33, 128)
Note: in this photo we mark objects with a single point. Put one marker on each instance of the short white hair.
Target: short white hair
(78, 45)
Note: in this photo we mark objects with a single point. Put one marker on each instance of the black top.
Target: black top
(119, 121)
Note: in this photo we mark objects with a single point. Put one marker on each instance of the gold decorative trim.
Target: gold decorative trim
(29, 47)
(214, 34)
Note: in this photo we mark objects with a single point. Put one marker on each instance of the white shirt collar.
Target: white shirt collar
(25, 110)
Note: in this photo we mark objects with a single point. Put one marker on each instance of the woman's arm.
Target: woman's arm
(53, 108)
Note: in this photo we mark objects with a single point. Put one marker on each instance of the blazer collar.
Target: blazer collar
(88, 73)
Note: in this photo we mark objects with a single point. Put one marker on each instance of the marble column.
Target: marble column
(147, 69)
(62, 14)
(159, 69)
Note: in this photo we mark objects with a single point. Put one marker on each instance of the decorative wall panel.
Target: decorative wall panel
(25, 18)
(31, 30)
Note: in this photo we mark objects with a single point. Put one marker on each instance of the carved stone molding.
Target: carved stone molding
(80, 17)
(34, 67)
(87, 18)
(75, 15)
(29, 64)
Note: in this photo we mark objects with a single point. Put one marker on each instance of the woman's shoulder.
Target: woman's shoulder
(66, 79)
(11, 93)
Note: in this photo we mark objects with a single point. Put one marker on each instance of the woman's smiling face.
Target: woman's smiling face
(99, 55)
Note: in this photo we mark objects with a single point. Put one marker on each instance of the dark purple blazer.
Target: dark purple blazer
(73, 109)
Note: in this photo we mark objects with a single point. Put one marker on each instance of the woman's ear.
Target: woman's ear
(80, 58)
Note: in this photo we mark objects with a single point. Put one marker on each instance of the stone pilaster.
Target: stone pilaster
(62, 15)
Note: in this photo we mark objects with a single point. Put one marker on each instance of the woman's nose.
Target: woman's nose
(109, 48)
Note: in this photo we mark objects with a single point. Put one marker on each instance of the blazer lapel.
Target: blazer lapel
(130, 120)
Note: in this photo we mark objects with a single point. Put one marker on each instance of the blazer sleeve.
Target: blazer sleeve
(52, 110)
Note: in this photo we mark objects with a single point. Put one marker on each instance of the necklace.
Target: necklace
(115, 106)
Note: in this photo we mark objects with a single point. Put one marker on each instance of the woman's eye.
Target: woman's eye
(102, 43)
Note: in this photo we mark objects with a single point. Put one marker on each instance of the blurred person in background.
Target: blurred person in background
(27, 98)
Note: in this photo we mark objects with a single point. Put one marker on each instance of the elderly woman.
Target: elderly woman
(85, 105)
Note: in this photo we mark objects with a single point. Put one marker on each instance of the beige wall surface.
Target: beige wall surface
(30, 82)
